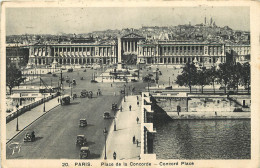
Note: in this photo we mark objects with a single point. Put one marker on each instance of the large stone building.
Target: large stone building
(134, 49)
(172, 52)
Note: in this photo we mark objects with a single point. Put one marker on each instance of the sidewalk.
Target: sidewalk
(28, 117)
(121, 140)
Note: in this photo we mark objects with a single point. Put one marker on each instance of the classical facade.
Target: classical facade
(129, 47)
(172, 52)
(238, 52)
(74, 54)
(133, 48)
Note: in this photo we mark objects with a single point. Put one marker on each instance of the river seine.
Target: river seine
(203, 139)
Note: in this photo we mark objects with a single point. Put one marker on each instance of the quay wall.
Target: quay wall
(20, 111)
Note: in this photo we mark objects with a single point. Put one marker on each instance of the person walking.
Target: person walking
(114, 155)
(137, 120)
(133, 139)
(137, 103)
(130, 107)
(137, 142)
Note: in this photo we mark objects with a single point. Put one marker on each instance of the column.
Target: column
(130, 46)
(134, 46)
(127, 46)
(162, 50)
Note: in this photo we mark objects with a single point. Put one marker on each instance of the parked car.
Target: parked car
(81, 140)
(29, 137)
(84, 152)
(83, 122)
(70, 70)
(106, 115)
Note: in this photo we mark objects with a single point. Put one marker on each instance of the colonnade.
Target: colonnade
(129, 45)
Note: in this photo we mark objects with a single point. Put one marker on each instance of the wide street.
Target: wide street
(56, 131)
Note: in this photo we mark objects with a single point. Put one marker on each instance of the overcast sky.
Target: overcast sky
(85, 20)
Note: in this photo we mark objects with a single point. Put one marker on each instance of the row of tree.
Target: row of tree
(229, 75)
(13, 76)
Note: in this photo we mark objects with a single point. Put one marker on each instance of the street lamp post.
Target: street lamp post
(71, 89)
(114, 124)
(17, 127)
(124, 93)
(43, 102)
(105, 134)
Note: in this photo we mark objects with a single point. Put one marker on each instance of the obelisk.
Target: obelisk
(119, 62)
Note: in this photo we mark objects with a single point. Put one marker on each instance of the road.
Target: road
(56, 131)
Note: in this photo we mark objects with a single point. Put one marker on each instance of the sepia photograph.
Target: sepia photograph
(146, 83)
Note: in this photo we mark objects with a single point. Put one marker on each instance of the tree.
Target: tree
(212, 76)
(202, 78)
(245, 76)
(13, 76)
(235, 76)
(224, 74)
(188, 76)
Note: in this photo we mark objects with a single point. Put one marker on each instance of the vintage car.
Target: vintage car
(74, 95)
(93, 81)
(29, 137)
(83, 122)
(84, 93)
(65, 100)
(84, 152)
(70, 70)
(81, 140)
(106, 115)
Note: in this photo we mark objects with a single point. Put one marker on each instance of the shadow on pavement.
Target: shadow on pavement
(74, 103)
(94, 156)
(38, 138)
(89, 143)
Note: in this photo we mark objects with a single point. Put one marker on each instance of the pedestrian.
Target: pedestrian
(133, 139)
(137, 120)
(137, 142)
(130, 107)
(114, 155)
(58, 100)
(137, 103)
(121, 108)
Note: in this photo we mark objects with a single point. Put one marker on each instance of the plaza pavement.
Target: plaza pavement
(28, 117)
(121, 140)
